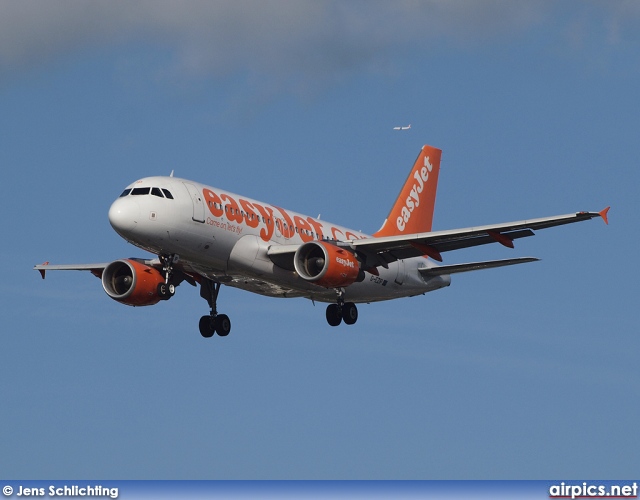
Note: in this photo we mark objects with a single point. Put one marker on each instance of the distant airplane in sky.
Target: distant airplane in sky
(402, 128)
(207, 236)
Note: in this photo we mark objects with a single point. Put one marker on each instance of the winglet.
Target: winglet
(43, 271)
(603, 214)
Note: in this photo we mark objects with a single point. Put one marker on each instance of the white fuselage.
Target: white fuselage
(226, 237)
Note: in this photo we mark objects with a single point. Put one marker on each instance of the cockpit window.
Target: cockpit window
(147, 190)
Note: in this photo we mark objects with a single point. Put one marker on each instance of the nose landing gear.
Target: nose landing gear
(214, 323)
(167, 289)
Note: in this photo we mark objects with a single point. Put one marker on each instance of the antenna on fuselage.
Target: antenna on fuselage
(171, 174)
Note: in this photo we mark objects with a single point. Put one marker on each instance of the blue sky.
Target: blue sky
(519, 373)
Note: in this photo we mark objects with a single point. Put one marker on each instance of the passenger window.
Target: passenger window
(156, 192)
(167, 194)
(140, 191)
(125, 193)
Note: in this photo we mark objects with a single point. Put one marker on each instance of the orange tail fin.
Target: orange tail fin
(413, 210)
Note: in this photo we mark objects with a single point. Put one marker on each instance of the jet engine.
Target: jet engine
(326, 265)
(132, 283)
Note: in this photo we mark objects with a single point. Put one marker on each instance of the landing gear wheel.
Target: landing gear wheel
(214, 323)
(206, 327)
(223, 325)
(334, 314)
(349, 313)
(166, 291)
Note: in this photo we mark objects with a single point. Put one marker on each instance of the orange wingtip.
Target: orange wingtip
(603, 214)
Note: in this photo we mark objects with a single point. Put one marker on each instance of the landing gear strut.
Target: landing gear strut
(342, 310)
(214, 323)
(167, 289)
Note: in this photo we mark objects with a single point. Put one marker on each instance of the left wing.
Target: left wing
(384, 250)
(387, 249)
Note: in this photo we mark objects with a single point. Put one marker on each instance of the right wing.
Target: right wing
(96, 269)
(181, 271)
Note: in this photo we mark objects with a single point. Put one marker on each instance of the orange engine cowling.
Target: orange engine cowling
(132, 283)
(326, 265)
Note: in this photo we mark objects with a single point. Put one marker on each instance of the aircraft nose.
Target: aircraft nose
(124, 214)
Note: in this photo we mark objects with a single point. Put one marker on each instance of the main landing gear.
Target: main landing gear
(167, 289)
(342, 310)
(214, 323)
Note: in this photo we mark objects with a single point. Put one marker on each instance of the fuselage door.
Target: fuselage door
(198, 202)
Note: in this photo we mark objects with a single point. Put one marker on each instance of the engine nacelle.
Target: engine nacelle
(132, 283)
(326, 265)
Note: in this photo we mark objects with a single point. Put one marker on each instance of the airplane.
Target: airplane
(210, 237)
(402, 128)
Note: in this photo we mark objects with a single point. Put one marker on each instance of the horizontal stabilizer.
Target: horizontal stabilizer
(472, 266)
